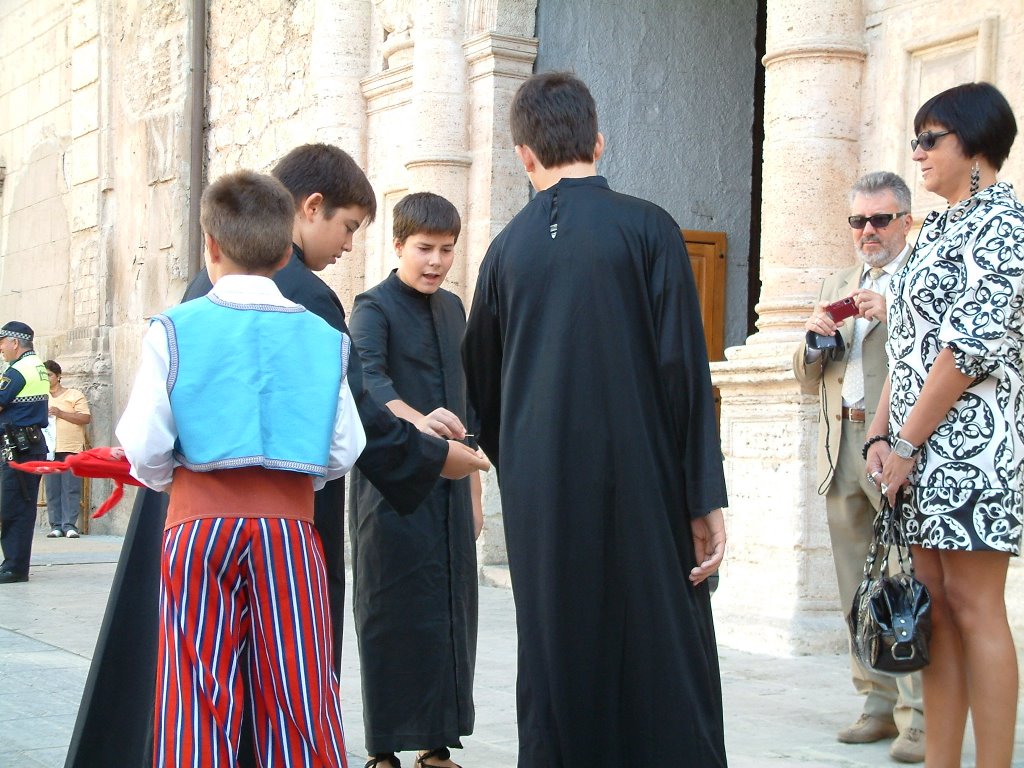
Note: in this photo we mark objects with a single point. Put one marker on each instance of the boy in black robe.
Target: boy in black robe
(586, 365)
(332, 199)
(414, 579)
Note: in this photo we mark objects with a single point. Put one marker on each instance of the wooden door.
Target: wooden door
(707, 257)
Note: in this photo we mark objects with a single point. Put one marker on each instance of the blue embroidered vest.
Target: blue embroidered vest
(253, 385)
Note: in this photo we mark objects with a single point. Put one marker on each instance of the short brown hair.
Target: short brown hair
(250, 216)
(554, 115)
(332, 172)
(425, 212)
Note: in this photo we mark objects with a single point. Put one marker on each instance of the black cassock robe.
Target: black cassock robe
(414, 580)
(586, 365)
(115, 719)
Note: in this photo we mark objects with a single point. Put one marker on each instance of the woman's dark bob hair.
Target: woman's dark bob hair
(979, 115)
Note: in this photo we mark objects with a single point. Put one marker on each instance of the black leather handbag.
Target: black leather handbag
(890, 619)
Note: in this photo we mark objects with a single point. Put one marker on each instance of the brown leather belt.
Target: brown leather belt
(853, 414)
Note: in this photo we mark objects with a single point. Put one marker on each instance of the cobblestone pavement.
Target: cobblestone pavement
(780, 711)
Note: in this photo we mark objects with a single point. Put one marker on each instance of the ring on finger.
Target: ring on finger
(885, 488)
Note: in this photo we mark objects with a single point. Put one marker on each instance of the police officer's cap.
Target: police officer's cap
(16, 330)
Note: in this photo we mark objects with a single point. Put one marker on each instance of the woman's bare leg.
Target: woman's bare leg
(975, 588)
(944, 680)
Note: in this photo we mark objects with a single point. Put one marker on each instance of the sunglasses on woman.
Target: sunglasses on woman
(927, 139)
(878, 221)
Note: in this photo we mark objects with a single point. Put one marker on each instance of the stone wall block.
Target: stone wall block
(238, 55)
(795, 87)
(214, 102)
(85, 64)
(84, 158)
(822, 240)
(19, 105)
(85, 22)
(803, 23)
(84, 207)
(778, 585)
(242, 132)
(220, 136)
(278, 33)
(45, 93)
(278, 70)
(259, 39)
(161, 145)
(85, 110)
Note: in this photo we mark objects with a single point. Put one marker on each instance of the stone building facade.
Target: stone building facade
(113, 112)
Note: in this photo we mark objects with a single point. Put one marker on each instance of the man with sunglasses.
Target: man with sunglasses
(850, 378)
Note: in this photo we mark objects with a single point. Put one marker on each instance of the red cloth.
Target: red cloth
(96, 462)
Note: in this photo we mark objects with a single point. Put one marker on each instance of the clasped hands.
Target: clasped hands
(887, 471)
(462, 460)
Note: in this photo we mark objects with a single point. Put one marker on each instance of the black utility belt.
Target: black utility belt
(18, 442)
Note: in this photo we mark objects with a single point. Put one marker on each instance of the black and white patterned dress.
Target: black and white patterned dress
(963, 289)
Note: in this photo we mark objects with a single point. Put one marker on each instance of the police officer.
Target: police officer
(24, 392)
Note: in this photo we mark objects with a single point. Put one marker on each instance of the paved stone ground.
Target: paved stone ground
(780, 711)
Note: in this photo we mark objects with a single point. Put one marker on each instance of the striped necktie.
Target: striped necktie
(853, 379)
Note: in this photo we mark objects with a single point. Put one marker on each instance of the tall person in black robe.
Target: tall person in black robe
(414, 577)
(586, 364)
(115, 719)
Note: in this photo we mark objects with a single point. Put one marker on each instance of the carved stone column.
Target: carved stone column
(498, 64)
(439, 157)
(778, 585)
(339, 58)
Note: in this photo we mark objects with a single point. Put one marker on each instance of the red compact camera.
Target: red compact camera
(842, 309)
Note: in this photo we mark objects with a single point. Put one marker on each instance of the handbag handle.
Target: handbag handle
(887, 532)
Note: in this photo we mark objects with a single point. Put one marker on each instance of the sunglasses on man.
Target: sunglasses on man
(878, 221)
(926, 140)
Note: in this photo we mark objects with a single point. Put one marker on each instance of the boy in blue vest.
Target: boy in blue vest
(240, 410)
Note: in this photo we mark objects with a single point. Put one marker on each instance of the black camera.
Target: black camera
(831, 344)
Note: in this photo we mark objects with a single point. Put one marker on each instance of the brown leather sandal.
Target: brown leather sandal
(441, 753)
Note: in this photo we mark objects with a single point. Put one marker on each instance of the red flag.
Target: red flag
(96, 462)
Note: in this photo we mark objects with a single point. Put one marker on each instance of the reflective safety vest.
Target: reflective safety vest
(37, 383)
(30, 406)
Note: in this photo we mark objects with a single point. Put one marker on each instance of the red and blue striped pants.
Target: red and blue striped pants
(236, 593)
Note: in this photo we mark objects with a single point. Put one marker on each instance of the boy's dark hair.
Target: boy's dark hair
(330, 171)
(52, 366)
(425, 212)
(555, 116)
(978, 114)
(250, 216)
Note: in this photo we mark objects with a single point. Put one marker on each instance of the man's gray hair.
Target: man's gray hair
(881, 181)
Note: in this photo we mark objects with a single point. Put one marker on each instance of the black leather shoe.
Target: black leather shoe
(10, 577)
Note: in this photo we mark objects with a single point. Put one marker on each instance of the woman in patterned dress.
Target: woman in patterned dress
(952, 417)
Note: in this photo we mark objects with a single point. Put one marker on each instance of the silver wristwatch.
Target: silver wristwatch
(904, 448)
